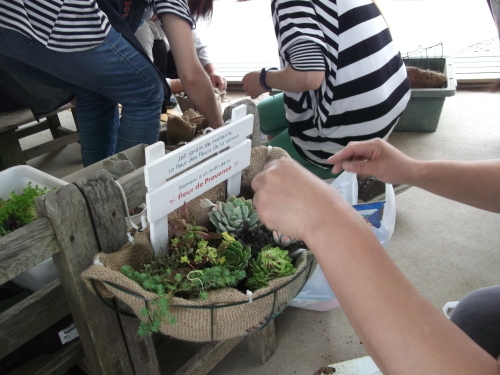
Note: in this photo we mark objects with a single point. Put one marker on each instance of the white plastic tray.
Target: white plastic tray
(15, 179)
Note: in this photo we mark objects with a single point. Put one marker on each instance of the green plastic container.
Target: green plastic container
(424, 108)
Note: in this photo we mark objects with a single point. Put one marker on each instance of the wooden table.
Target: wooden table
(11, 153)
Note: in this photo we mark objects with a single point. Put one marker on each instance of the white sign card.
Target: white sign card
(194, 182)
(228, 151)
(196, 151)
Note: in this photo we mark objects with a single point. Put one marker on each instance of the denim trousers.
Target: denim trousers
(111, 73)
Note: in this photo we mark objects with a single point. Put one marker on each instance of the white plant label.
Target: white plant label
(196, 181)
(196, 151)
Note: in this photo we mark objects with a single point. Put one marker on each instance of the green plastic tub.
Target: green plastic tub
(424, 108)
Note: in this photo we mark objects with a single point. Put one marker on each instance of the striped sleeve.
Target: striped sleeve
(178, 7)
(295, 22)
(306, 56)
(77, 27)
(61, 25)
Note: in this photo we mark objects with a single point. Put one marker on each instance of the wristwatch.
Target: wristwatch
(263, 74)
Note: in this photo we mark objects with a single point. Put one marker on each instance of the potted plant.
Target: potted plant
(212, 285)
(19, 187)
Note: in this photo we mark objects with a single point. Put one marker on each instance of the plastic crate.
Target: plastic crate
(424, 108)
(15, 179)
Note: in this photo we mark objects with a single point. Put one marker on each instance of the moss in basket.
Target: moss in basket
(271, 263)
(19, 209)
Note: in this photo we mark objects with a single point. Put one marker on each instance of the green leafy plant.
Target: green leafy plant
(19, 209)
(229, 216)
(271, 263)
(166, 284)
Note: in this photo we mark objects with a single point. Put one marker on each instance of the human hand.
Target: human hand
(375, 157)
(291, 199)
(251, 84)
(218, 81)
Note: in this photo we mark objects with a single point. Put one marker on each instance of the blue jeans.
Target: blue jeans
(113, 72)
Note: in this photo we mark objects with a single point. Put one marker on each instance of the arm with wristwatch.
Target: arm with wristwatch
(287, 79)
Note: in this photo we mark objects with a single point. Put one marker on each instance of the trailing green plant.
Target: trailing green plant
(19, 209)
(271, 263)
(229, 216)
(166, 283)
(235, 254)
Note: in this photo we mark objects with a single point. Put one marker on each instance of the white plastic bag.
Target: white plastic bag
(347, 185)
(316, 293)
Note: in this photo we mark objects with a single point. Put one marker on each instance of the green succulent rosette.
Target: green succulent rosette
(229, 216)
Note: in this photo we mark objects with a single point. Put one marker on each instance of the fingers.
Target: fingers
(355, 156)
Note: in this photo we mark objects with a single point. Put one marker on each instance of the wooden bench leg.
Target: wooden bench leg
(75, 119)
(262, 343)
(11, 153)
(56, 129)
(208, 357)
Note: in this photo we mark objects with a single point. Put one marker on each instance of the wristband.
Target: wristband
(263, 74)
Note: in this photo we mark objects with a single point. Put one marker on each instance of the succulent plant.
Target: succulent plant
(256, 238)
(229, 216)
(282, 240)
(188, 231)
(271, 263)
(236, 256)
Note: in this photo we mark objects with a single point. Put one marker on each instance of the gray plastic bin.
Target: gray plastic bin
(424, 108)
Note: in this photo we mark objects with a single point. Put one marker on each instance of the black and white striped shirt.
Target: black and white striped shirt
(365, 89)
(70, 25)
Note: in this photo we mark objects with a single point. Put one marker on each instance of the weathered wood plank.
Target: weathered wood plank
(97, 326)
(10, 150)
(106, 208)
(51, 145)
(32, 129)
(134, 187)
(26, 247)
(262, 343)
(105, 204)
(141, 348)
(31, 316)
(54, 364)
(208, 357)
(54, 124)
(14, 119)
